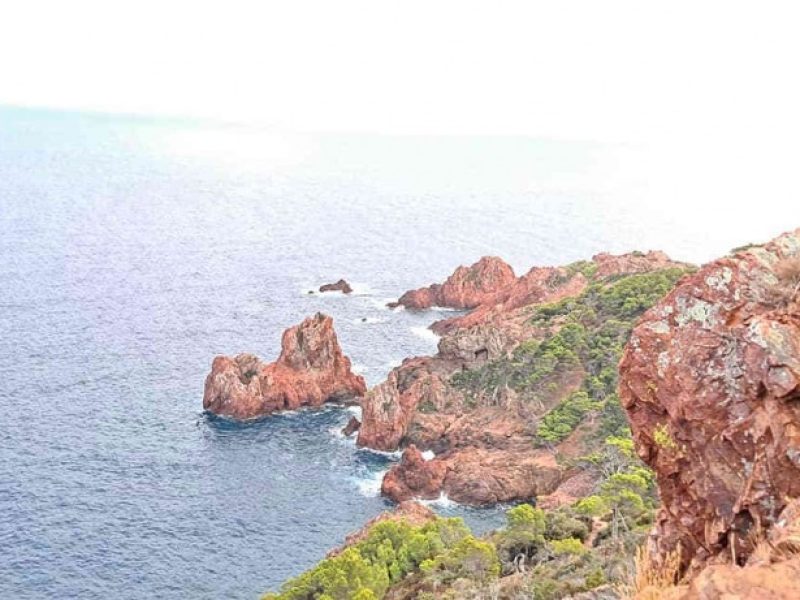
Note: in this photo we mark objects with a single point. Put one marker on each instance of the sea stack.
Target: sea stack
(310, 371)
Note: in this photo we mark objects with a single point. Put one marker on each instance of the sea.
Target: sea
(134, 249)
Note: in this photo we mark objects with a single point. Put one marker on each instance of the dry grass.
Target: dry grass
(788, 272)
(652, 580)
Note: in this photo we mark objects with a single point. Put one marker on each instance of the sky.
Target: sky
(711, 86)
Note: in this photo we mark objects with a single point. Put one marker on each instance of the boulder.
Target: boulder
(339, 286)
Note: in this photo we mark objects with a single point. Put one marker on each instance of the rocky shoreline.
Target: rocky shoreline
(486, 444)
(530, 398)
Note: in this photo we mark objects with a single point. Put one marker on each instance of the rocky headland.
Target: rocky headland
(709, 380)
(520, 385)
(310, 371)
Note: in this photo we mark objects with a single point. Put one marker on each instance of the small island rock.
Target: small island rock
(310, 371)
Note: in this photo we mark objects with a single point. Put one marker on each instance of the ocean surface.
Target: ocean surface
(133, 250)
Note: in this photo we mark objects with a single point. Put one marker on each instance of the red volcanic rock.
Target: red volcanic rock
(474, 476)
(729, 582)
(540, 285)
(352, 426)
(389, 407)
(411, 513)
(339, 286)
(711, 382)
(485, 442)
(467, 287)
(310, 370)
(633, 262)
(414, 477)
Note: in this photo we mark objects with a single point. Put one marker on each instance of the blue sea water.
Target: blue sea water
(133, 250)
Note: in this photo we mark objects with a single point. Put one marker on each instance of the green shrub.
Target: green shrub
(571, 546)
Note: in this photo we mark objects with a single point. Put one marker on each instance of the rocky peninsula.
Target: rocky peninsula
(519, 386)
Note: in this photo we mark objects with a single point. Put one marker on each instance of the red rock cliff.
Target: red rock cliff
(467, 287)
(485, 445)
(310, 370)
(711, 382)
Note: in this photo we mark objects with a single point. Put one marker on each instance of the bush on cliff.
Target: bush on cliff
(586, 335)
(442, 550)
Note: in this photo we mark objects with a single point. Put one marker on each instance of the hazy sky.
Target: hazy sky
(714, 85)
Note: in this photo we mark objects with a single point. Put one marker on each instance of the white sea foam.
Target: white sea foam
(428, 455)
(361, 289)
(358, 368)
(425, 334)
(368, 320)
(370, 486)
(395, 454)
(354, 410)
(381, 303)
(441, 502)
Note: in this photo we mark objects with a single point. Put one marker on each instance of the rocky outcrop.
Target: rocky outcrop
(474, 476)
(414, 477)
(467, 287)
(353, 425)
(759, 582)
(633, 262)
(710, 380)
(485, 441)
(339, 286)
(411, 513)
(310, 370)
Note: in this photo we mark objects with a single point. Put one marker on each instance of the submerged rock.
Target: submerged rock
(339, 286)
(310, 370)
(710, 380)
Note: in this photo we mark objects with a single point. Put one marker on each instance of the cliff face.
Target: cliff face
(310, 370)
(710, 381)
(515, 382)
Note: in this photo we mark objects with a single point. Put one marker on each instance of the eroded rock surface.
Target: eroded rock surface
(467, 287)
(711, 383)
(310, 370)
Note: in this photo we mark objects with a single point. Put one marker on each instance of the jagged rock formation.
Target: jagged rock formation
(339, 286)
(310, 370)
(352, 426)
(467, 287)
(711, 383)
(477, 404)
